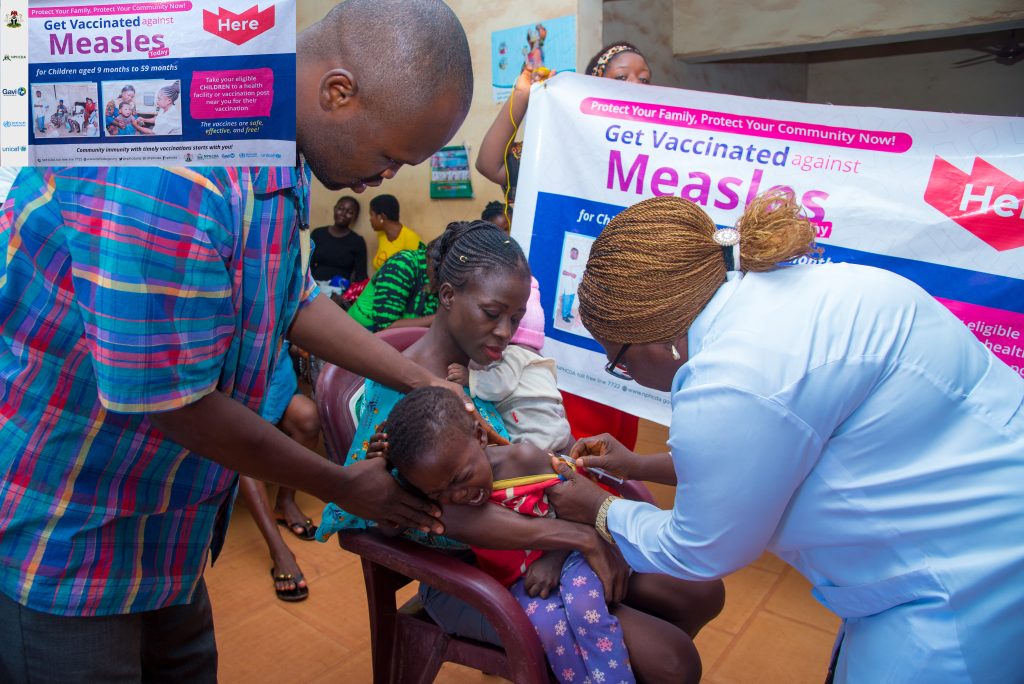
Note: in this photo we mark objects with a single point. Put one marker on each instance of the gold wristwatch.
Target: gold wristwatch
(601, 523)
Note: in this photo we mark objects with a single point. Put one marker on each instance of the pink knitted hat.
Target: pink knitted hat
(531, 328)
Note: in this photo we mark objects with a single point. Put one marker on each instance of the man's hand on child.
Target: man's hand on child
(457, 389)
(458, 374)
(544, 574)
(371, 492)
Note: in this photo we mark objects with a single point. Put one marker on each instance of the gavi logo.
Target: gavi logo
(238, 28)
(987, 202)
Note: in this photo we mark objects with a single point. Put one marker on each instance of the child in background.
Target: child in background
(523, 385)
(437, 447)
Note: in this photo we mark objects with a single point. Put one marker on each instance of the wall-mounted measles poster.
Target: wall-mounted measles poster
(550, 44)
(210, 82)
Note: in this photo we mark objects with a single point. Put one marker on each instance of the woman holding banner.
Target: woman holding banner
(835, 415)
(498, 161)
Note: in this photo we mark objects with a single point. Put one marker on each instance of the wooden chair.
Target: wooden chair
(407, 646)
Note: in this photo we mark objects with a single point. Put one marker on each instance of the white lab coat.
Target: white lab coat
(841, 418)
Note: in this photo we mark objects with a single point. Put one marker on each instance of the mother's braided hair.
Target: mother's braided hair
(655, 266)
(468, 246)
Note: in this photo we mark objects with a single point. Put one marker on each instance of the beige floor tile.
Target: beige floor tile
(792, 598)
(664, 496)
(256, 645)
(774, 650)
(711, 644)
(745, 591)
(355, 669)
(770, 562)
(651, 438)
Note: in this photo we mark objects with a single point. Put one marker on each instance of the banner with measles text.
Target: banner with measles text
(936, 198)
(205, 82)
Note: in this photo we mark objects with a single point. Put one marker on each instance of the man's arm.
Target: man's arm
(494, 527)
(323, 329)
(223, 430)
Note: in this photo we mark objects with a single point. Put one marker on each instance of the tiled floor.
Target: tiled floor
(771, 630)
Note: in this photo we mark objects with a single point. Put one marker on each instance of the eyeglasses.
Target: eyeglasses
(616, 368)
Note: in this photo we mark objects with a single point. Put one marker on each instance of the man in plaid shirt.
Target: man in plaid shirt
(141, 310)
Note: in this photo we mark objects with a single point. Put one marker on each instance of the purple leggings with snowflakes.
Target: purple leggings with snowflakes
(582, 640)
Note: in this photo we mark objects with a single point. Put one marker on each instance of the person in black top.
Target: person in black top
(337, 249)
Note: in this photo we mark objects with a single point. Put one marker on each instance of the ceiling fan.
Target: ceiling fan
(1006, 52)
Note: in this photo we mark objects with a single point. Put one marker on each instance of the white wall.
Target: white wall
(705, 29)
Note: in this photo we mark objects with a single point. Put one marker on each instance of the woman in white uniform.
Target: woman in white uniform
(835, 415)
(168, 112)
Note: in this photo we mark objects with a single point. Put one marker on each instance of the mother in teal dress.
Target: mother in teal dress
(483, 283)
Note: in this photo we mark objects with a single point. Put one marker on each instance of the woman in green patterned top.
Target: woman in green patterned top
(399, 294)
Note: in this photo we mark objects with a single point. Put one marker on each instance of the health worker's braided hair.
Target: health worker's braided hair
(423, 420)
(656, 265)
(469, 246)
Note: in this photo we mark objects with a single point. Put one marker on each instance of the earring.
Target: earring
(675, 353)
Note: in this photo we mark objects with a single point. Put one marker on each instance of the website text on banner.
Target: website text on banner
(937, 198)
(210, 82)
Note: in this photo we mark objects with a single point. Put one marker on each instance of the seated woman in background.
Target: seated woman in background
(337, 249)
(483, 285)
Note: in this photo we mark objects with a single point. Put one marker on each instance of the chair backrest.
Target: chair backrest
(335, 389)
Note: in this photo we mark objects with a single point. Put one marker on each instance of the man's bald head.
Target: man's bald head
(405, 64)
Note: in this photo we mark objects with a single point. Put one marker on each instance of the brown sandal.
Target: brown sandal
(306, 531)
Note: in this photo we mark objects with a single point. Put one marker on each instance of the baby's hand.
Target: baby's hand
(458, 374)
(544, 574)
(378, 447)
